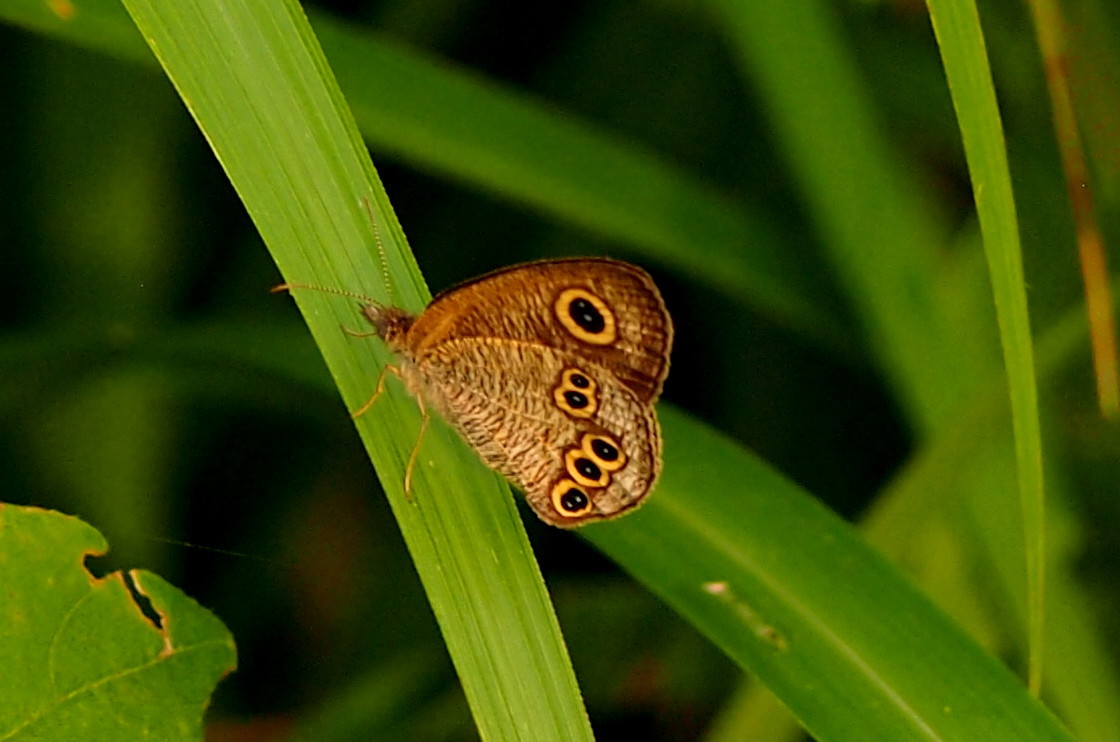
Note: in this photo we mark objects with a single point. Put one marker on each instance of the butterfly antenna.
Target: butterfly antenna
(380, 245)
(289, 287)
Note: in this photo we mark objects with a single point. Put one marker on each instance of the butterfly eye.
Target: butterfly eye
(586, 316)
(604, 451)
(584, 470)
(569, 500)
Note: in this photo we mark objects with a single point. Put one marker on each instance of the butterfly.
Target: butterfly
(549, 370)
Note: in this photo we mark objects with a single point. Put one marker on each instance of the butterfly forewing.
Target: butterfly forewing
(536, 302)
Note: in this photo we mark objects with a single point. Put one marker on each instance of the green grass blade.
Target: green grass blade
(877, 228)
(1080, 680)
(1057, 38)
(253, 77)
(778, 582)
(798, 564)
(790, 592)
(438, 118)
(512, 146)
(808, 608)
(956, 24)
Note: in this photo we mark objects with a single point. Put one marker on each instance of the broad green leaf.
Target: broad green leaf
(80, 658)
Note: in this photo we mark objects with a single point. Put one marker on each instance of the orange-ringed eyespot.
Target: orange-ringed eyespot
(604, 451)
(576, 394)
(586, 316)
(569, 500)
(584, 470)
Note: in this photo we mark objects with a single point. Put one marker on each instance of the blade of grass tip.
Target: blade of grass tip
(956, 24)
(1052, 43)
(255, 80)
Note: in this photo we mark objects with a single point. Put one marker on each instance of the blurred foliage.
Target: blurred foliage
(245, 485)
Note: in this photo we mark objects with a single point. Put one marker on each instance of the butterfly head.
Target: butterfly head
(390, 323)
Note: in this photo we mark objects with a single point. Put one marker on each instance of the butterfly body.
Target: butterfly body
(549, 370)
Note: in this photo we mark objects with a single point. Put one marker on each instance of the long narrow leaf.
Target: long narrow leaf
(960, 38)
(439, 118)
(256, 82)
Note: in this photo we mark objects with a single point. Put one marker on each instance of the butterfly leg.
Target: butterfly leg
(377, 391)
(424, 418)
(416, 448)
(358, 333)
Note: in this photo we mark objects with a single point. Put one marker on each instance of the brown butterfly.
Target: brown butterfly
(549, 370)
